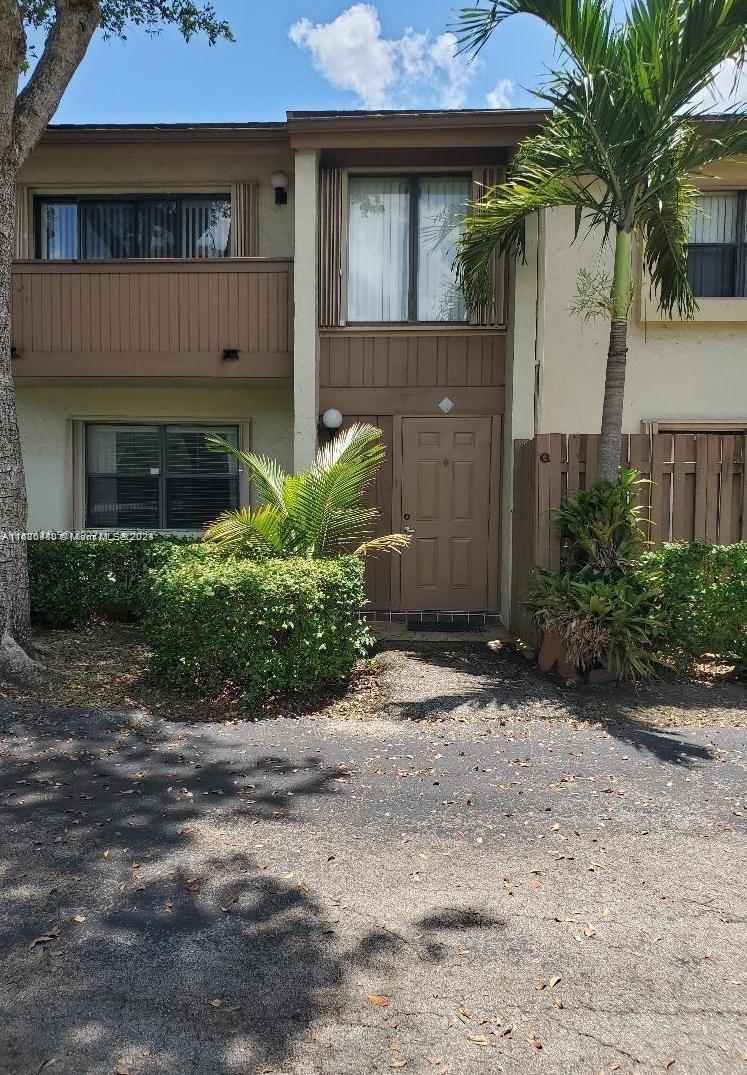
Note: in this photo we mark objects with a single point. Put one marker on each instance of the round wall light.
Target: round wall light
(332, 418)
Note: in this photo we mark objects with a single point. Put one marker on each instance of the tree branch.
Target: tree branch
(73, 27)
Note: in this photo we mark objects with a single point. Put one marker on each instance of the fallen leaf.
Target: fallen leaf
(535, 1043)
(380, 1002)
(558, 1002)
(478, 1039)
(44, 938)
(79, 918)
(216, 1002)
(398, 1063)
(668, 1064)
(554, 981)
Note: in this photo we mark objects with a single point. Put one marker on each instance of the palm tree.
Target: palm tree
(317, 512)
(620, 145)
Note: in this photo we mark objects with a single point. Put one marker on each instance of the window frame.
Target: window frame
(739, 244)
(127, 198)
(413, 179)
(161, 426)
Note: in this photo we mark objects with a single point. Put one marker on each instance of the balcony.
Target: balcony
(153, 318)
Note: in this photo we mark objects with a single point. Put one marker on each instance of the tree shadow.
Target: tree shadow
(159, 949)
(503, 686)
(142, 931)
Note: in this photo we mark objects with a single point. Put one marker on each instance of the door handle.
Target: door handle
(409, 529)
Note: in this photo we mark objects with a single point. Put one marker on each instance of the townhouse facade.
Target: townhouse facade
(261, 280)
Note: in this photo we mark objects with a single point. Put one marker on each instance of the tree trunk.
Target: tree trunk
(14, 590)
(608, 456)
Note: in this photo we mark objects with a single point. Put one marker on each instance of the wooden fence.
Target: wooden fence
(698, 490)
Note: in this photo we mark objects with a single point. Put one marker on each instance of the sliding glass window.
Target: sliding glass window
(717, 250)
(402, 240)
(152, 226)
(157, 477)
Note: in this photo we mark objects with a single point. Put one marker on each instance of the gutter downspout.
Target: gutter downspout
(539, 335)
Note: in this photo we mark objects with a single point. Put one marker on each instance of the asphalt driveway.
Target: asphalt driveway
(492, 886)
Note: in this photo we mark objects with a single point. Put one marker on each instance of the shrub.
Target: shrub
(704, 601)
(275, 625)
(600, 526)
(71, 582)
(607, 623)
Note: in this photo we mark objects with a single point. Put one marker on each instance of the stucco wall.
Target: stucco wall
(675, 371)
(45, 416)
(169, 168)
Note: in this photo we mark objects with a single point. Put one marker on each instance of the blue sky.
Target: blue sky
(343, 55)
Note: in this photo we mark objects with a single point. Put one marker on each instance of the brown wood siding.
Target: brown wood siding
(379, 568)
(698, 491)
(411, 360)
(153, 318)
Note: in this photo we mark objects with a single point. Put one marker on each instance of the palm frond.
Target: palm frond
(264, 527)
(385, 543)
(664, 224)
(266, 474)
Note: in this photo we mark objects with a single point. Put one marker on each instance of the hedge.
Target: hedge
(703, 601)
(268, 626)
(73, 582)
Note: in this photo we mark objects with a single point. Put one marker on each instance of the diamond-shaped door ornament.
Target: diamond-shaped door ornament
(446, 405)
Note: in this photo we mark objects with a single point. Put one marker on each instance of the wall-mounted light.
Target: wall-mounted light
(279, 181)
(330, 422)
(230, 354)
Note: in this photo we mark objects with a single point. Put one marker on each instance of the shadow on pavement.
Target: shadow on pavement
(500, 685)
(124, 941)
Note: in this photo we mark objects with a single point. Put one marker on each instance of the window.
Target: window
(717, 252)
(152, 226)
(154, 477)
(402, 236)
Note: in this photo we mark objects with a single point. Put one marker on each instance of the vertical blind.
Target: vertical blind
(379, 249)
(441, 208)
(402, 240)
(157, 477)
(158, 226)
(717, 245)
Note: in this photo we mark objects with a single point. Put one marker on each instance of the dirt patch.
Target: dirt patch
(105, 665)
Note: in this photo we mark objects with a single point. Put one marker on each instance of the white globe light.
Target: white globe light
(279, 179)
(332, 419)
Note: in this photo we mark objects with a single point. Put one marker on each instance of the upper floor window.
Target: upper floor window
(717, 251)
(139, 226)
(402, 236)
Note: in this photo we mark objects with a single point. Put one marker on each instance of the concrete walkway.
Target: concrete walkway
(508, 893)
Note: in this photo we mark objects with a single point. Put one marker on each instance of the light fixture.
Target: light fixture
(332, 419)
(279, 181)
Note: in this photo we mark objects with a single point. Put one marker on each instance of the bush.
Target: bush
(600, 526)
(603, 623)
(275, 625)
(703, 601)
(72, 582)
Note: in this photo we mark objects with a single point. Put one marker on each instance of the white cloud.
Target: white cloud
(415, 70)
(723, 94)
(501, 95)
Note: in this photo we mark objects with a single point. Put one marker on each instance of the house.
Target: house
(248, 278)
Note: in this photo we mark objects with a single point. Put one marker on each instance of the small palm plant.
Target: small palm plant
(317, 513)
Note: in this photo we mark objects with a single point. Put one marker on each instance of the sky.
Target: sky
(309, 54)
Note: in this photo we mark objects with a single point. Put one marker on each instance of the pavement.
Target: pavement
(492, 886)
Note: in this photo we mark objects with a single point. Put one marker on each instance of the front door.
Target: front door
(446, 504)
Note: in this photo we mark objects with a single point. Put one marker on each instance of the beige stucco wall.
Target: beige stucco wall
(675, 371)
(134, 167)
(46, 416)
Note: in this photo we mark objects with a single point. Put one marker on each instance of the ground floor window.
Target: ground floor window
(157, 477)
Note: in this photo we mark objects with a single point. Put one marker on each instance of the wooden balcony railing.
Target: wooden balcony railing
(159, 318)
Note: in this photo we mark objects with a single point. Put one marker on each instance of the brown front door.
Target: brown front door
(446, 503)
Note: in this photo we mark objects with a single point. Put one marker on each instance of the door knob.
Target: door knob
(409, 529)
